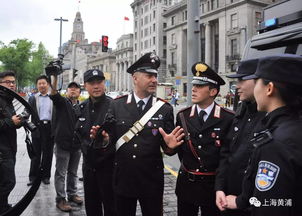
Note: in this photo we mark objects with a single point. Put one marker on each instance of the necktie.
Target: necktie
(200, 116)
(140, 105)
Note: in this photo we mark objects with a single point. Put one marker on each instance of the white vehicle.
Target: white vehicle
(113, 95)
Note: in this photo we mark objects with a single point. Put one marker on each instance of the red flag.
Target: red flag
(126, 18)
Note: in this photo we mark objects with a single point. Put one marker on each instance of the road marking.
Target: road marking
(171, 171)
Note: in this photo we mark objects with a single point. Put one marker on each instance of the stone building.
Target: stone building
(124, 58)
(225, 26)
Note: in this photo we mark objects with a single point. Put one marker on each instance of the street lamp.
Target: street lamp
(61, 20)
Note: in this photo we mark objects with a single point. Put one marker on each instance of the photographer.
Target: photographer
(9, 122)
(67, 148)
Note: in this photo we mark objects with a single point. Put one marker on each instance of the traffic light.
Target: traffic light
(74, 74)
(104, 43)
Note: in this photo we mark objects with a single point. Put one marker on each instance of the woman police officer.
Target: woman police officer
(273, 180)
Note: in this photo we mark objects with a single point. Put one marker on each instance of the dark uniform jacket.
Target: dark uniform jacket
(66, 115)
(231, 170)
(274, 175)
(8, 134)
(207, 141)
(138, 163)
(92, 114)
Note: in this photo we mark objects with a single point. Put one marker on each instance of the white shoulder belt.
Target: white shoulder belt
(139, 125)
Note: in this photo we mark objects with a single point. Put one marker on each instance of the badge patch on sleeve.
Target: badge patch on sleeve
(267, 175)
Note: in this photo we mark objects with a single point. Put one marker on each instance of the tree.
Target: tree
(20, 57)
(15, 56)
(36, 65)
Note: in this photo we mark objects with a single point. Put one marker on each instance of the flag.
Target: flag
(126, 18)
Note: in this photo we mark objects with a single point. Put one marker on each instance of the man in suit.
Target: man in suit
(138, 166)
(42, 138)
(207, 125)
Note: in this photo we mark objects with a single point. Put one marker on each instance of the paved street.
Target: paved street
(44, 201)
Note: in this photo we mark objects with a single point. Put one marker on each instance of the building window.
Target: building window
(153, 40)
(142, 22)
(146, 44)
(135, 46)
(172, 58)
(208, 3)
(142, 45)
(234, 48)
(173, 40)
(165, 25)
(154, 14)
(146, 8)
(184, 15)
(142, 11)
(172, 20)
(153, 27)
(135, 24)
(212, 4)
(142, 33)
(146, 32)
(146, 20)
(135, 35)
(164, 53)
(234, 21)
(165, 40)
(258, 17)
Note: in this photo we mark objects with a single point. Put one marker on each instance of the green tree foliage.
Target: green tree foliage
(36, 65)
(19, 56)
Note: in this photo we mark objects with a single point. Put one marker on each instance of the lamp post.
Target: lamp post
(61, 20)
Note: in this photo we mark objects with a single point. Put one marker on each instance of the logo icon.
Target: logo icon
(255, 202)
(267, 175)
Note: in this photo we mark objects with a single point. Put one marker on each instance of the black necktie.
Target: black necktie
(200, 116)
(140, 105)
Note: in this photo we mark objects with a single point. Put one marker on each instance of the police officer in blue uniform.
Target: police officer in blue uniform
(247, 121)
(97, 162)
(272, 184)
(138, 166)
(207, 125)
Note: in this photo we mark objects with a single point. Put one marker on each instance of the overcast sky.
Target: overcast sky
(34, 20)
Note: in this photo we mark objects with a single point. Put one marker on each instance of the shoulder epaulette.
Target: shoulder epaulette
(121, 96)
(184, 109)
(228, 110)
(163, 100)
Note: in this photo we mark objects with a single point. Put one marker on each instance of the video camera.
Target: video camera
(24, 116)
(55, 67)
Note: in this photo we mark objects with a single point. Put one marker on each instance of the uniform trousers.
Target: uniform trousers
(190, 209)
(43, 148)
(98, 190)
(150, 206)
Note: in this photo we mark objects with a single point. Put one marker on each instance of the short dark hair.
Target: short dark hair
(7, 73)
(42, 77)
(212, 86)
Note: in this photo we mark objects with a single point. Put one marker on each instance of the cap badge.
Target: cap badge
(200, 68)
(153, 57)
(94, 73)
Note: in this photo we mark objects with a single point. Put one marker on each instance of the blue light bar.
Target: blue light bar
(270, 22)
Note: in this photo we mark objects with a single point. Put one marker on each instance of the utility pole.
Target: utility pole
(61, 20)
(193, 37)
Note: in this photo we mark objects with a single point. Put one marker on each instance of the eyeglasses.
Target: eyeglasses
(9, 82)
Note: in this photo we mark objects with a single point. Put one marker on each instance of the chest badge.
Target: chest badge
(154, 131)
(213, 134)
(82, 119)
(267, 175)
(160, 117)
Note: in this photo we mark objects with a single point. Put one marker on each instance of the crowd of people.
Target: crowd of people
(232, 163)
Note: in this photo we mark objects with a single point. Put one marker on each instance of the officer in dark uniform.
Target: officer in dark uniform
(247, 121)
(97, 162)
(207, 124)
(138, 163)
(272, 184)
